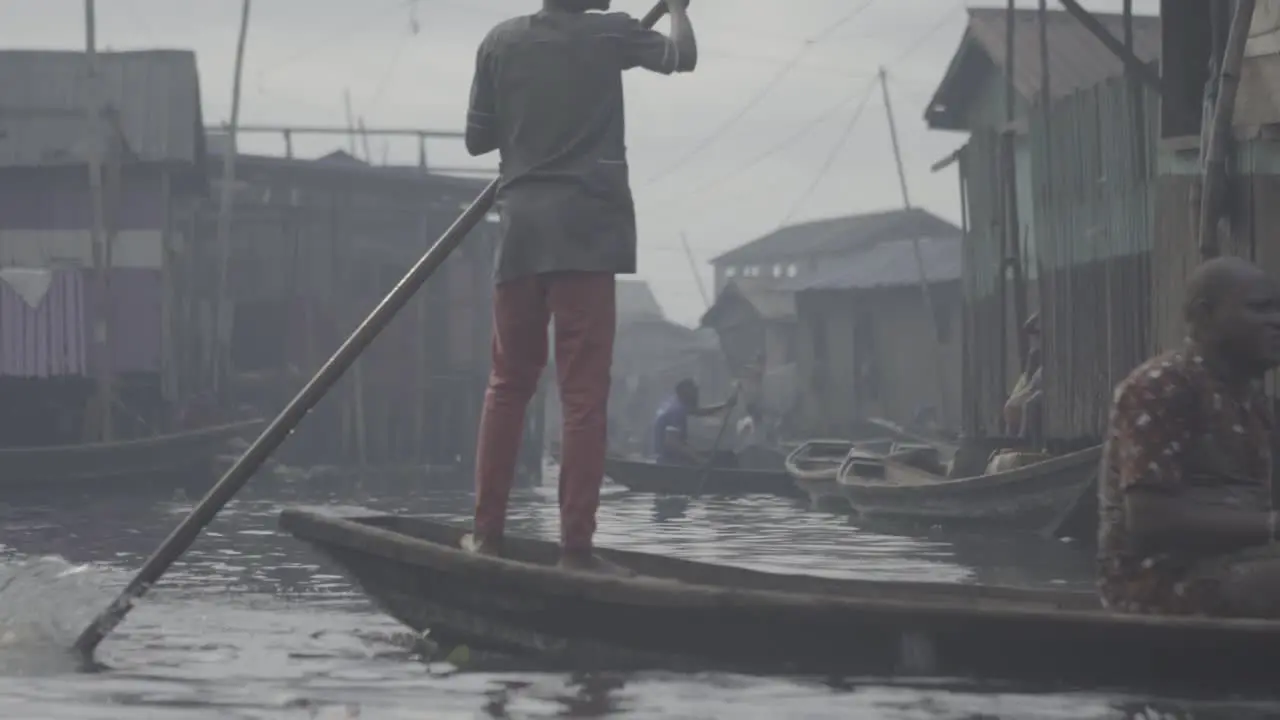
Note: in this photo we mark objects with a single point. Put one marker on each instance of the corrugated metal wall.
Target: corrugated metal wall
(985, 357)
(1093, 169)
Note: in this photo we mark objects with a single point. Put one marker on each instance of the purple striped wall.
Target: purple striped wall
(56, 338)
(48, 340)
(58, 199)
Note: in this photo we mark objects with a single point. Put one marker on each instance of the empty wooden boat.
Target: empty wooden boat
(679, 614)
(651, 477)
(814, 467)
(184, 460)
(1026, 497)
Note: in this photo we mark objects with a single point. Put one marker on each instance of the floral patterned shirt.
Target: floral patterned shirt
(1176, 429)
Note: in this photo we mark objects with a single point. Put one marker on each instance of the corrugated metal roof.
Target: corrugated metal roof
(890, 264)
(1077, 59)
(838, 235)
(43, 106)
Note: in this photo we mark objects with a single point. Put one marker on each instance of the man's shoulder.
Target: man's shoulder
(1164, 376)
(1164, 384)
(506, 31)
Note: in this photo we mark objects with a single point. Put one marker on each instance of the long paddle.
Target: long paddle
(681, 503)
(235, 478)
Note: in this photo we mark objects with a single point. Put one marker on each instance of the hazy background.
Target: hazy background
(766, 132)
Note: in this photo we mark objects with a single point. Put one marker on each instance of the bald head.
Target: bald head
(1217, 281)
(1233, 313)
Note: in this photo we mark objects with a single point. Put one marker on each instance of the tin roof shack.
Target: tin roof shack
(798, 251)
(1253, 187)
(316, 244)
(52, 298)
(1053, 211)
(868, 346)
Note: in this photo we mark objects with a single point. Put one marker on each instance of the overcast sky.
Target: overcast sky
(764, 133)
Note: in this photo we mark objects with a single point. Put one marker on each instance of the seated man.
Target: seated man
(671, 427)
(1187, 524)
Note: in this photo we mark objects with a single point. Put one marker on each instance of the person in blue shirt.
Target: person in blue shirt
(671, 426)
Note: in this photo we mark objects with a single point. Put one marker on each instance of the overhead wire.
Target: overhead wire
(759, 95)
(700, 193)
(831, 157)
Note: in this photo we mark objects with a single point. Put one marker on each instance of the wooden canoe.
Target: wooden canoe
(650, 477)
(183, 460)
(687, 615)
(814, 467)
(1027, 497)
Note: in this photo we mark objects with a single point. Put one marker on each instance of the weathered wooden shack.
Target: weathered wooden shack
(1058, 213)
(867, 341)
(61, 318)
(316, 244)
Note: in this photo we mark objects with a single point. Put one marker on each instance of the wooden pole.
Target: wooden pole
(351, 123)
(1213, 210)
(222, 311)
(1009, 172)
(925, 293)
(97, 230)
(693, 267)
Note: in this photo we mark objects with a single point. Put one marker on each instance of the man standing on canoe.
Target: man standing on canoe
(1188, 522)
(547, 94)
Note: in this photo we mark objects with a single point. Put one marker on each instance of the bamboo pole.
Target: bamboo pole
(693, 267)
(222, 307)
(925, 293)
(1213, 213)
(97, 230)
(1009, 171)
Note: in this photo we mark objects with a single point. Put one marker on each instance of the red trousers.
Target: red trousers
(582, 304)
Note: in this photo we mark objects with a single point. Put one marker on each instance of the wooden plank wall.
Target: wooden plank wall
(1093, 167)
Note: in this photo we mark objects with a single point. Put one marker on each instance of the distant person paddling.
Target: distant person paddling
(547, 95)
(671, 426)
(1188, 521)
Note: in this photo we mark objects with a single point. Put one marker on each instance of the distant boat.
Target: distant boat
(650, 477)
(184, 460)
(1027, 497)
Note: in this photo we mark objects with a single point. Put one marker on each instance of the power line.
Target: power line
(803, 132)
(760, 95)
(831, 158)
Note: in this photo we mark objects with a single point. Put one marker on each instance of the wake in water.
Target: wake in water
(44, 604)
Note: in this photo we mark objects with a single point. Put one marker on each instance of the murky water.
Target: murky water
(249, 625)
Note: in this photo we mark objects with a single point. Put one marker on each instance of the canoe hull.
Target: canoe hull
(1028, 497)
(184, 461)
(705, 616)
(659, 479)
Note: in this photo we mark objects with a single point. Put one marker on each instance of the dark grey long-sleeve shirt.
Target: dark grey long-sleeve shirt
(547, 95)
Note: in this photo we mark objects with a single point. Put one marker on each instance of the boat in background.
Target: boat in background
(184, 461)
(684, 615)
(814, 467)
(1027, 497)
(650, 477)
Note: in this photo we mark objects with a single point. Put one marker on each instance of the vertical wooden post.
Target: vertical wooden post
(98, 234)
(693, 267)
(1009, 150)
(1213, 210)
(925, 293)
(222, 306)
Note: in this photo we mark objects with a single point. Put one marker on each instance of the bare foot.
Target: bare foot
(480, 546)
